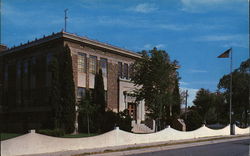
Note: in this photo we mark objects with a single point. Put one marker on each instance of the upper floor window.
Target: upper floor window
(119, 69)
(33, 71)
(125, 70)
(26, 67)
(48, 72)
(19, 69)
(92, 64)
(103, 66)
(81, 62)
(49, 58)
(6, 72)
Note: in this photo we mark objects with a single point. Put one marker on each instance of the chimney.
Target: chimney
(3, 47)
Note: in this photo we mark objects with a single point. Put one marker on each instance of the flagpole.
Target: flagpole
(231, 88)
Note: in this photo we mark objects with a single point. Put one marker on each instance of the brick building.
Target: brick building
(25, 78)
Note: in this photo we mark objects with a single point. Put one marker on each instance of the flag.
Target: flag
(225, 54)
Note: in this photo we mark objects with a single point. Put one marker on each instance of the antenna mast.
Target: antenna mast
(65, 19)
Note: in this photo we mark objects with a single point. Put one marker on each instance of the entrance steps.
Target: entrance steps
(141, 128)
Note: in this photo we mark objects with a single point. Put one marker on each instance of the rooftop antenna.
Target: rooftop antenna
(65, 19)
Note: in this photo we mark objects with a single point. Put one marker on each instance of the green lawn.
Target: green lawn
(5, 136)
(81, 135)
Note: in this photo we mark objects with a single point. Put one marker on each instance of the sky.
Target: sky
(193, 32)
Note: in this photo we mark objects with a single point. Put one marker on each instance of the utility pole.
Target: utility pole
(65, 20)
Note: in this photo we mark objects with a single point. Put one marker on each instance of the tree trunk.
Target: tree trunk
(88, 123)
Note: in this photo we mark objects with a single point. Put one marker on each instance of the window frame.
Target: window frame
(92, 64)
(81, 62)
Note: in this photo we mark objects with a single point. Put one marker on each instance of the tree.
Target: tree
(99, 102)
(67, 91)
(55, 93)
(240, 90)
(154, 76)
(203, 103)
(176, 99)
(221, 109)
(99, 93)
(193, 121)
(86, 108)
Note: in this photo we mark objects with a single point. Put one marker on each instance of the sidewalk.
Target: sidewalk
(150, 147)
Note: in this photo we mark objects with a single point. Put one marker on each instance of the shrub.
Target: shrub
(124, 121)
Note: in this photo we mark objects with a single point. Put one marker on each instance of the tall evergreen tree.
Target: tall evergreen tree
(176, 99)
(67, 91)
(55, 94)
(99, 93)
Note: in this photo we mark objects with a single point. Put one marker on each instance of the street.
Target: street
(231, 148)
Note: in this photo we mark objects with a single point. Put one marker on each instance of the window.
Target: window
(48, 72)
(130, 70)
(81, 62)
(49, 58)
(6, 74)
(18, 75)
(33, 71)
(125, 70)
(103, 66)
(92, 64)
(26, 67)
(119, 69)
(19, 69)
(81, 92)
(18, 81)
(25, 74)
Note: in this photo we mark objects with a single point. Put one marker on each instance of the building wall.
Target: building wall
(22, 99)
(25, 96)
(86, 80)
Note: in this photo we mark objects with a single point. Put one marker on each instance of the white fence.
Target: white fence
(33, 143)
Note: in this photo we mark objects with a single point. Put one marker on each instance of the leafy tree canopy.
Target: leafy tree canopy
(156, 77)
(240, 90)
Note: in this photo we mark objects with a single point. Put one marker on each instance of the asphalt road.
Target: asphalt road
(230, 148)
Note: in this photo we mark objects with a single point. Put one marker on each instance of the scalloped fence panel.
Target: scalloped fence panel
(33, 143)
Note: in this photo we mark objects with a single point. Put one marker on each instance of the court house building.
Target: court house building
(24, 73)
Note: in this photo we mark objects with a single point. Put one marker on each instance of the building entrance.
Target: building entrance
(132, 110)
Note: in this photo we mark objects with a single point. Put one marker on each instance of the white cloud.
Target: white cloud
(159, 46)
(174, 27)
(150, 46)
(231, 40)
(218, 37)
(144, 8)
(183, 83)
(203, 5)
(191, 95)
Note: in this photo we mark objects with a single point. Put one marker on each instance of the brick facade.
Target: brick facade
(19, 106)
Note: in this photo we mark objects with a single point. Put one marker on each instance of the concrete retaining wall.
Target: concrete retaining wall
(242, 130)
(34, 143)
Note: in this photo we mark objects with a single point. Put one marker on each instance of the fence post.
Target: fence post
(32, 131)
(117, 129)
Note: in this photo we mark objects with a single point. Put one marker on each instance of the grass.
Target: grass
(5, 136)
(80, 135)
